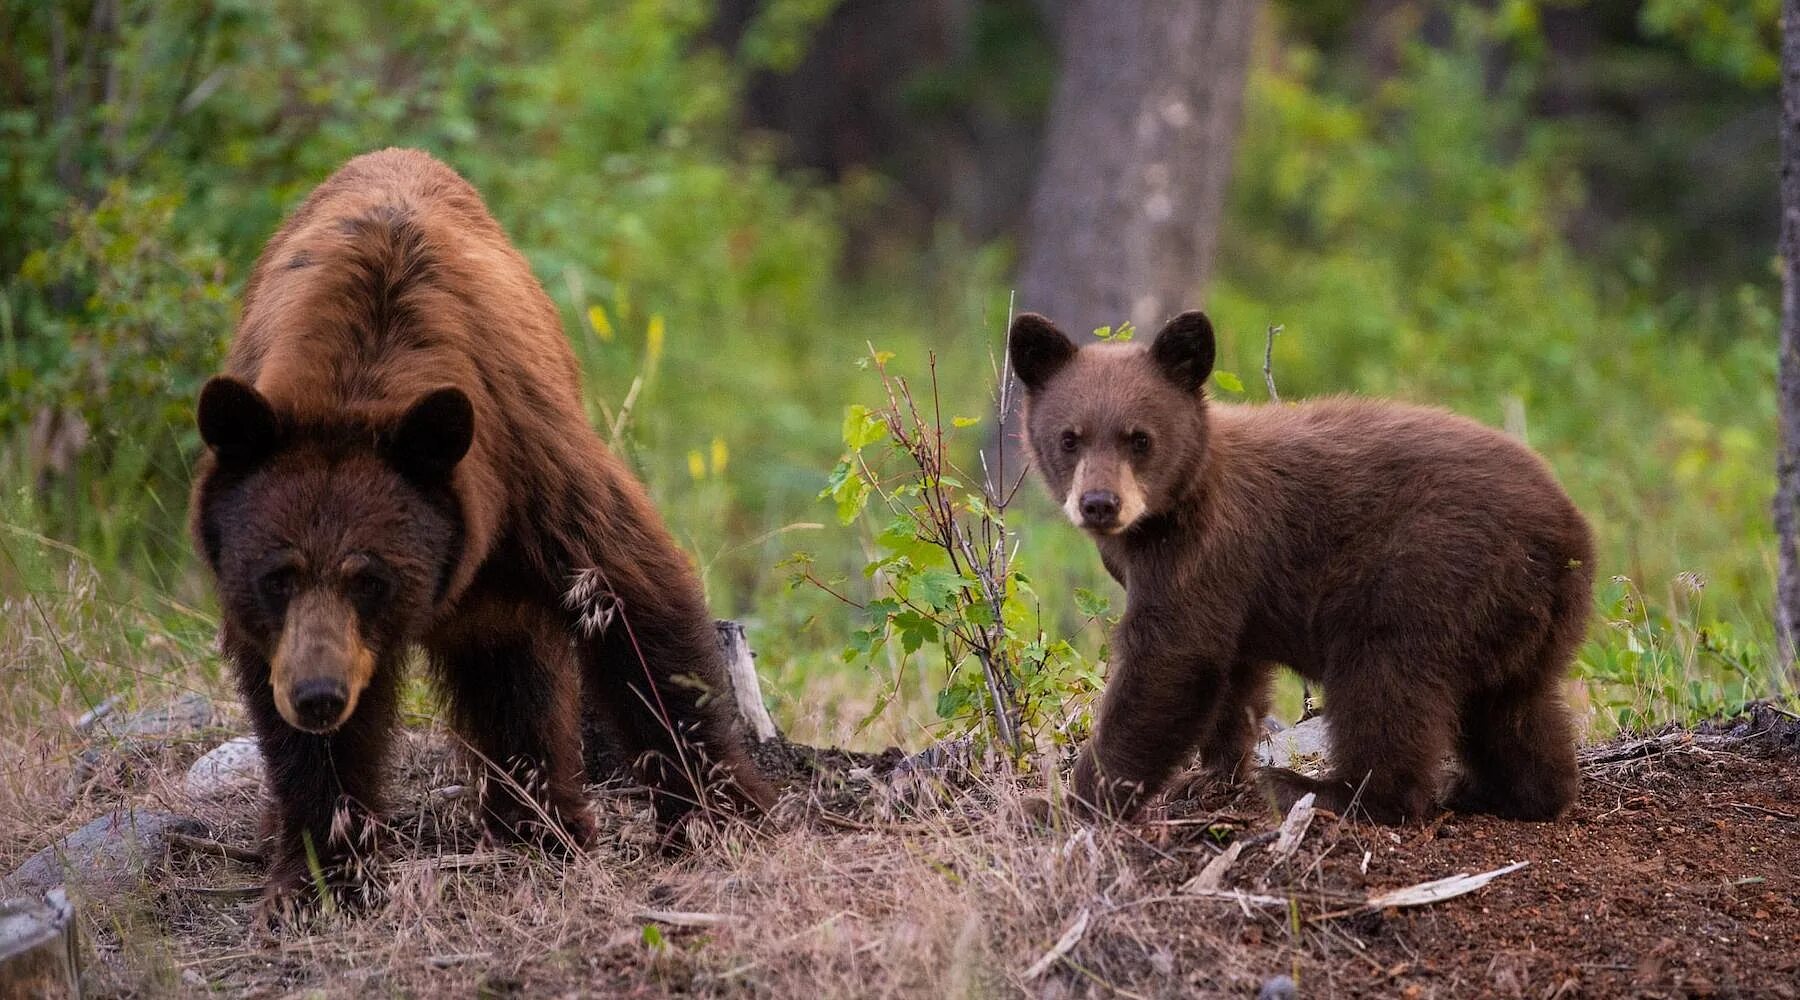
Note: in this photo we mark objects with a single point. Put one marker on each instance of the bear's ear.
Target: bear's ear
(1038, 349)
(1183, 350)
(236, 421)
(433, 436)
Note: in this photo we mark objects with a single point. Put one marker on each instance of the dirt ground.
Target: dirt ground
(1677, 875)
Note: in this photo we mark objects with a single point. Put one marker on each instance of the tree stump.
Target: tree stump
(38, 957)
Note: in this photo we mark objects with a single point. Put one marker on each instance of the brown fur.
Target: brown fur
(399, 457)
(1426, 571)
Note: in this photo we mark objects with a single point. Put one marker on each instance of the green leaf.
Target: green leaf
(862, 427)
(1092, 604)
(653, 938)
(938, 588)
(881, 704)
(964, 421)
(1228, 381)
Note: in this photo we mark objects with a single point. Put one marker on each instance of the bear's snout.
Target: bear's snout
(321, 665)
(319, 703)
(1100, 510)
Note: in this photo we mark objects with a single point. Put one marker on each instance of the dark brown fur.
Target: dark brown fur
(399, 457)
(1426, 571)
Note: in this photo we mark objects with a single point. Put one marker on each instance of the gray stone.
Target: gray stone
(115, 743)
(108, 854)
(182, 717)
(233, 767)
(1278, 988)
(1301, 748)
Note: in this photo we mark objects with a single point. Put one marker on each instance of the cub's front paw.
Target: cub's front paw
(1283, 787)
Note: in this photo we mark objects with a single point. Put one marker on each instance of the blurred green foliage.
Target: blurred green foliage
(1410, 231)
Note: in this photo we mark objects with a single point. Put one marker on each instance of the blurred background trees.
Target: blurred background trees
(1557, 216)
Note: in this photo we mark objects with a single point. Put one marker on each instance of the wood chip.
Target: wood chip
(1070, 938)
(1213, 875)
(1438, 890)
(1293, 828)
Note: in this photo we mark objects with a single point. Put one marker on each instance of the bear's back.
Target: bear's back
(392, 279)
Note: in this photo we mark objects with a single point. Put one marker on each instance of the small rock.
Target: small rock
(231, 767)
(108, 853)
(1278, 988)
(136, 735)
(1298, 747)
(182, 717)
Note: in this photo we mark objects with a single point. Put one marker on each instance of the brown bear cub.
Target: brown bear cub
(398, 457)
(1427, 572)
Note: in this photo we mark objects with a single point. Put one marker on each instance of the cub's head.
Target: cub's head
(1117, 429)
(331, 543)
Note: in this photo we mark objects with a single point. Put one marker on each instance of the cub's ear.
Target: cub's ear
(1038, 349)
(1184, 350)
(236, 421)
(433, 436)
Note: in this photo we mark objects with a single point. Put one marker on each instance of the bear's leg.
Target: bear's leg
(1154, 712)
(1389, 737)
(656, 680)
(324, 789)
(1518, 754)
(515, 698)
(1226, 752)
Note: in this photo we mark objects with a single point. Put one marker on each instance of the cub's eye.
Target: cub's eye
(1070, 440)
(368, 589)
(276, 586)
(1140, 443)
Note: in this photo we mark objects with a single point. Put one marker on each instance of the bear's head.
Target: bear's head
(332, 542)
(1118, 430)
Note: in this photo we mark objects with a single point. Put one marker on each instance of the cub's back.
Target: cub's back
(1348, 467)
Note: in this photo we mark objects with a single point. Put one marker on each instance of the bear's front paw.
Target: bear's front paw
(294, 893)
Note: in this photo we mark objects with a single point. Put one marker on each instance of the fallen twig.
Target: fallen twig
(204, 845)
(1765, 810)
(1063, 945)
(687, 918)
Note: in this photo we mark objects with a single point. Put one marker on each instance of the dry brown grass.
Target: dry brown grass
(851, 890)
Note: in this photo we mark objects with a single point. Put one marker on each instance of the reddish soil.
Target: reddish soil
(1676, 875)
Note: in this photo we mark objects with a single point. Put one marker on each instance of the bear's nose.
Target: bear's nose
(1100, 508)
(319, 702)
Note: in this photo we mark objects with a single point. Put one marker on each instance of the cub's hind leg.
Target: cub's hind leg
(1517, 748)
(1390, 732)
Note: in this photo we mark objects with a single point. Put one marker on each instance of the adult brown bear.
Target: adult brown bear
(398, 457)
(1427, 571)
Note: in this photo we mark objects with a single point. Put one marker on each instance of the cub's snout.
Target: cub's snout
(1104, 497)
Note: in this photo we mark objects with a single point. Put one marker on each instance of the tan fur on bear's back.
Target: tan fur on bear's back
(462, 308)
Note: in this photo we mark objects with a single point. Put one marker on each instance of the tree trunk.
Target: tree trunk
(1131, 193)
(1142, 130)
(1787, 484)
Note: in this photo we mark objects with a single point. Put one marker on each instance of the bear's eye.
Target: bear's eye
(368, 589)
(276, 586)
(1070, 440)
(1140, 443)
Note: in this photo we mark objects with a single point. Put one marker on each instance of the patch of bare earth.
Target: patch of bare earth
(1676, 875)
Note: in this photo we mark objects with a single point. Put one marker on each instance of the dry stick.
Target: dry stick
(1307, 708)
(204, 845)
